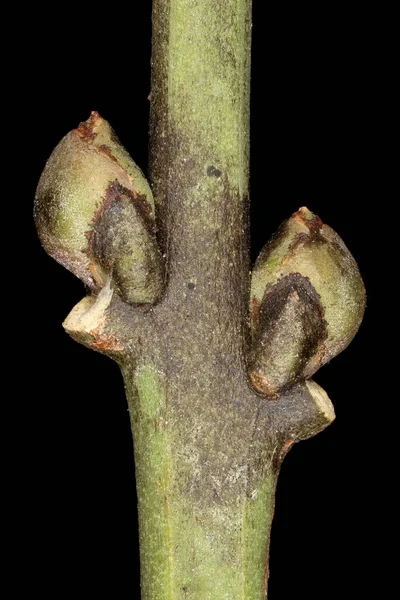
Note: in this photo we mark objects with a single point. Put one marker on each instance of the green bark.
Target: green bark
(188, 548)
(208, 446)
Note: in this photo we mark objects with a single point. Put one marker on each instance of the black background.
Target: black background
(314, 142)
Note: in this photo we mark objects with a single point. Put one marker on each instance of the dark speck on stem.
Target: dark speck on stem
(213, 171)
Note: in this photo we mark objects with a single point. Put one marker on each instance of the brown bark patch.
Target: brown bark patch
(107, 151)
(105, 341)
(263, 385)
(314, 223)
(285, 449)
(86, 129)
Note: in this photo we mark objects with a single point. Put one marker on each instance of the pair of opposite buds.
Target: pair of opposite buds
(94, 212)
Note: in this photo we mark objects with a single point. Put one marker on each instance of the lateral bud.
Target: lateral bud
(87, 180)
(307, 303)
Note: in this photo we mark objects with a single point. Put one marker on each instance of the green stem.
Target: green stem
(200, 141)
(191, 550)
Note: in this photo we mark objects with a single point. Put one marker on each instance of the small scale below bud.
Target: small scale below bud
(86, 176)
(307, 302)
